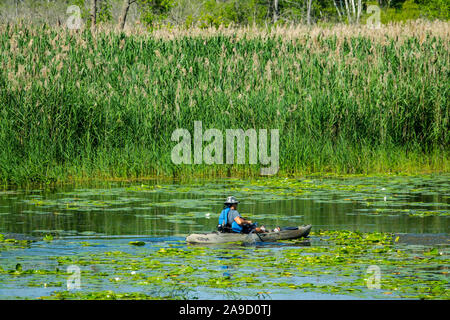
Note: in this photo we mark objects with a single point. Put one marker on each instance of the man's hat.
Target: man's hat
(231, 200)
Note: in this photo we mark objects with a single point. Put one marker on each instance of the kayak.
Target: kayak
(220, 237)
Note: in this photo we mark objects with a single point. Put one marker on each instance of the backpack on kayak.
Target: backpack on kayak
(223, 225)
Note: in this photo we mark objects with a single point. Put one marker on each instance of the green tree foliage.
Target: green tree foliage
(435, 9)
(104, 13)
(403, 10)
(104, 10)
(215, 13)
(205, 13)
(154, 11)
(84, 9)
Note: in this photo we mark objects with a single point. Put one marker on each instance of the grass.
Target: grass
(347, 100)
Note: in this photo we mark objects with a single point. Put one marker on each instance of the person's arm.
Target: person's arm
(241, 221)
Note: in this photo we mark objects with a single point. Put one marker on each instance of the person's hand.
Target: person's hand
(249, 221)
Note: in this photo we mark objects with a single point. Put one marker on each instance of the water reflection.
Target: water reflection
(177, 210)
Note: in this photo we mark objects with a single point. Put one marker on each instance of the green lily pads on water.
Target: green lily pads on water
(137, 243)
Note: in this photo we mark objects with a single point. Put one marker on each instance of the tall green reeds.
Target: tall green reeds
(80, 105)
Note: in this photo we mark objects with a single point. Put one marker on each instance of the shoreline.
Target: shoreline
(187, 177)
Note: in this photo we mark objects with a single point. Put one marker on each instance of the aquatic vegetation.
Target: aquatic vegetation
(134, 248)
(105, 295)
(137, 243)
(342, 102)
(7, 243)
(179, 208)
(335, 263)
(48, 237)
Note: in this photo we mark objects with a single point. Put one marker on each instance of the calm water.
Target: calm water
(110, 215)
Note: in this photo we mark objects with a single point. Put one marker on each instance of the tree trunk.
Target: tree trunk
(338, 11)
(308, 11)
(359, 11)
(275, 11)
(125, 9)
(93, 13)
(123, 16)
(353, 8)
(348, 11)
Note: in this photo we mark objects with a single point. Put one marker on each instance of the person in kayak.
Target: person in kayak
(230, 220)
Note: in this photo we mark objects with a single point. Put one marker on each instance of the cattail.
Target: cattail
(332, 92)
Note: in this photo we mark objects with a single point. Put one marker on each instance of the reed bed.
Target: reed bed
(77, 104)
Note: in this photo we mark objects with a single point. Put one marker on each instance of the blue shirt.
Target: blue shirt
(229, 215)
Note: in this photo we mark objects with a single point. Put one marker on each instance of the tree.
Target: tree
(351, 8)
(154, 10)
(125, 9)
(275, 11)
(337, 9)
(93, 13)
(308, 11)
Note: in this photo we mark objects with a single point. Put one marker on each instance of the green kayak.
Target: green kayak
(219, 237)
